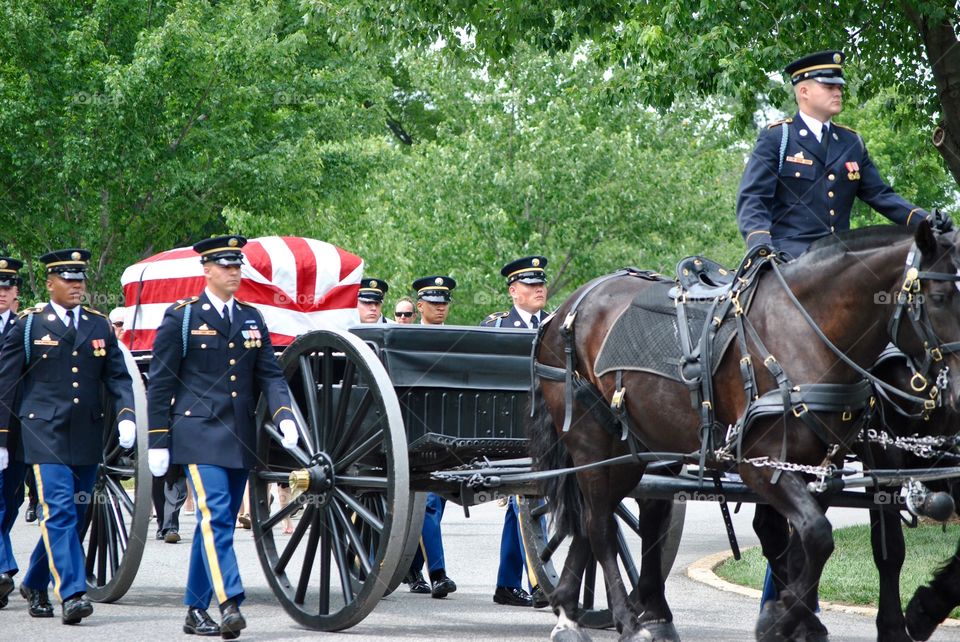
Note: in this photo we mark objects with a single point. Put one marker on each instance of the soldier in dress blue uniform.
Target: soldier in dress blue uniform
(11, 456)
(433, 301)
(53, 363)
(211, 356)
(370, 300)
(526, 284)
(805, 172)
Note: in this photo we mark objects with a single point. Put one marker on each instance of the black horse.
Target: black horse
(837, 284)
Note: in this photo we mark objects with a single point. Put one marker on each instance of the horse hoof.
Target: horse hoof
(569, 635)
(640, 635)
(660, 631)
(920, 623)
(768, 624)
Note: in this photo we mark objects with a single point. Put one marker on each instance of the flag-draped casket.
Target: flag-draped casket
(298, 284)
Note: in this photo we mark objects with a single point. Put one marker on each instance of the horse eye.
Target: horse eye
(938, 298)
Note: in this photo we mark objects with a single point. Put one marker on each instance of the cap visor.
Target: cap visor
(433, 298)
(830, 80)
(73, 276)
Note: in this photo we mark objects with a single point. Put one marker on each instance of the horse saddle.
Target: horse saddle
(700, 278)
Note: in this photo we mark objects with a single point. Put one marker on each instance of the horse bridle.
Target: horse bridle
(910, 304)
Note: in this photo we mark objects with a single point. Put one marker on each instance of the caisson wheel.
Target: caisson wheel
(349, 481)
(548, 549)
(114, 533)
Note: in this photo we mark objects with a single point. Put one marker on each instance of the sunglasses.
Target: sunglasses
(403, 314)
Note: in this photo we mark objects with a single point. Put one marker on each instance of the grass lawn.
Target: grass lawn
(850, 576)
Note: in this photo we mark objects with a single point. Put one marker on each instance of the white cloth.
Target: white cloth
(158, 459)
(4, 458)
(526, 316)
(290, 435)
(128, 432)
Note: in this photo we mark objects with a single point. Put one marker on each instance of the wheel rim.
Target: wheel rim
(349, 476)
(534, 513)
(114, 531)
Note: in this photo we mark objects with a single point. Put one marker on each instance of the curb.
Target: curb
(702, 571)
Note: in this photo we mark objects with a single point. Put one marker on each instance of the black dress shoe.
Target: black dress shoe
(159, 534)
(512, 596)
(31, 515)
(39, 602)
(76, 608)
(443, 587)
(199, 622)
(417, 583)
(231, 621)
(6, 585)
(172, 536)
(539, 598)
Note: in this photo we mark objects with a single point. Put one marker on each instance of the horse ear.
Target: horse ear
(926, 241)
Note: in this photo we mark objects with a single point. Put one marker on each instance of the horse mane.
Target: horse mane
(865, 238)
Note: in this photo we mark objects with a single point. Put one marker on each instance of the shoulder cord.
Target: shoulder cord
(26, 337)
(186, 328)
(783, 146)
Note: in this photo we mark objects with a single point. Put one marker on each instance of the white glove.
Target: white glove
(4, 458)
(128, 432)
(159, 460)
(290, 435)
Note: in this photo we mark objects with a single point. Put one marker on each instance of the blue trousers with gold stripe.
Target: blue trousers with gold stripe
(431, 540)
(63, 494)
(11, 497)
(213, 562)
(512, 558)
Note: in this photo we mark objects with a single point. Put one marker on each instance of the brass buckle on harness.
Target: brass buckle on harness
(918, 387)
(930, 404)
(800, 410)
(618, 396)
(769, 360)
(846, 416)
(935, 354)
(910, 281)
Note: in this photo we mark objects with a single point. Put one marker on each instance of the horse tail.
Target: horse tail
(549, 453)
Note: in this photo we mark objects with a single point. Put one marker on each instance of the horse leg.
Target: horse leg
(887, 530)
(931, 604)
(600, 500)
(814, 540)
(774, 534)
(650, 600)
(564, 599)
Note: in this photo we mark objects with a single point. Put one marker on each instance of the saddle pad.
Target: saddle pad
(645, 338)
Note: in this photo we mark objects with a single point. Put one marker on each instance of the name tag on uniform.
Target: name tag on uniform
(799, 159)
(204, 330)
(46, 340)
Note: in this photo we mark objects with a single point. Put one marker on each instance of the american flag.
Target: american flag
(298, 284)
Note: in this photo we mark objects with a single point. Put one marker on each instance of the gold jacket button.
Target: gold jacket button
(74, 369)
(76, 400)
(31, 415)
(833, 213)
(74, 353)
(831, 228)
(831, 177)
(76, 385)
(797, 174)
(233, 394)
(203, 345)
(830, 194)
(187, 413)
(233, 362)
(231, 344)
(233, 377)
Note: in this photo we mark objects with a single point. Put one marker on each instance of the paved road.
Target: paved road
(152, 608)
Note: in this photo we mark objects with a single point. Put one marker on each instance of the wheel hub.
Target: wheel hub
(317, 480)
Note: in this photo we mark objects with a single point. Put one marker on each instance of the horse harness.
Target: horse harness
(804, 401)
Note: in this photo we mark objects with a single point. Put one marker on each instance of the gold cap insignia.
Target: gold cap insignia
(836, 58)
(373, 284)
(3, 263)
(75, 256)
(438, 281)
(536, 262)
(232, 242)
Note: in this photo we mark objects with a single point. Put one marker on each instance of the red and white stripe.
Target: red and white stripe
(298, 284)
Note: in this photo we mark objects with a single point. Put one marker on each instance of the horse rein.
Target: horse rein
(915, 306)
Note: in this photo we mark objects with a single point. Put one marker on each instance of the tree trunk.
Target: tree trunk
(943, 53)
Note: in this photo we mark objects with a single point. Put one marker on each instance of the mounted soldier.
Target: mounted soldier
(805, 172)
